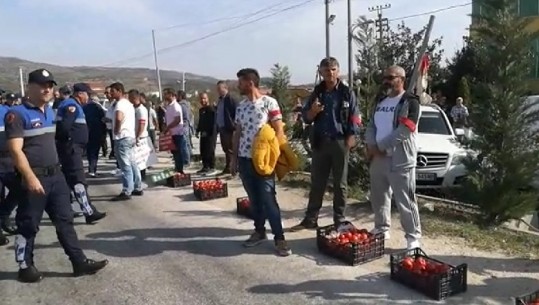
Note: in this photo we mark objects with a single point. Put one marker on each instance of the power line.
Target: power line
(265, 9)
(231, 28)
(432, 12)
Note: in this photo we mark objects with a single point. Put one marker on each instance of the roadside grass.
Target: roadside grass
(439, 219)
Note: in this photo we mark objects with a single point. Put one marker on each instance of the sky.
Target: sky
(118, 33)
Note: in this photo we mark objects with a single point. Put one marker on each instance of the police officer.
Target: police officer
(332, 109)
(8, 179)
(71, 141)
(30, 132)
(11, 99)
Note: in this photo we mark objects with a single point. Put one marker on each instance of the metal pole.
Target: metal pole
(422, 51)
(157, 66)
(350, 49)
(21, 79)
(183, 81)
(327, 28)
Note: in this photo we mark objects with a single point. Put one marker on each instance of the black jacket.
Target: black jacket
(206, 121)
(230, 112)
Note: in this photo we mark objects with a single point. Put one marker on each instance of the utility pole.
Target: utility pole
(328, 23)
(21, 79)
(157, 67)
(183, 81)
(381, 23)
(350, 48)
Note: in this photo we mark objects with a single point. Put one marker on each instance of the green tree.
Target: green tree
(280, 80)
(464, 90)
(402, 48)
(506, 158)
(463, 64)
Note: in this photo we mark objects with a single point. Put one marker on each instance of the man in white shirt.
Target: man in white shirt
(123, 127)
(392, 149)
(174, 122)
(141, 122)
(109, 116)
(152, 122)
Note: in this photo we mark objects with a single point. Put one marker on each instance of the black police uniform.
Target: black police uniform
(71, 141)
(8, 180)
(35, 126)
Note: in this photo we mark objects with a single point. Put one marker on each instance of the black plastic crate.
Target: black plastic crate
(209, 192)
(243, 207)
(179, 180)
(528, 299)
(437, 286)
(353, 253)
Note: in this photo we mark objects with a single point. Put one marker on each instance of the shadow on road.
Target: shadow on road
(10, 276)
(378, 286)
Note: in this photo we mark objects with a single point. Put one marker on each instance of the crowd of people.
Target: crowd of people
(43, 142)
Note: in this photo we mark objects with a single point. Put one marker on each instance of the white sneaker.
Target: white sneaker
(412, 244)
(387, 236)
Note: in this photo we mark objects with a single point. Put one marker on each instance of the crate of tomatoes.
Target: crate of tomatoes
(210, 189)
(243, 207)
(350, 244)
(529, 299)
(179, 180)
(433, 278)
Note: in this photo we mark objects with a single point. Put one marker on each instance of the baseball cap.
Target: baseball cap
(82, 87)
(41, 76)
(11, 96)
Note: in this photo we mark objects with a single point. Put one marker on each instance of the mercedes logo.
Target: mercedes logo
(422, 161)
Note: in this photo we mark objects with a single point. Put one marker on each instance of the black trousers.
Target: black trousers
(207, 151)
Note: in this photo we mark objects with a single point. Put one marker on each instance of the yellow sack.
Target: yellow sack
(266, 151)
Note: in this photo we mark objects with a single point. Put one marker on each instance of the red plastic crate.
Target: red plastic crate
(354, 252)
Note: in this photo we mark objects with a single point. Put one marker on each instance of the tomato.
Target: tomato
(420, 261)
(363, 236)
(407, 263)
(354, 239)
(344, 241)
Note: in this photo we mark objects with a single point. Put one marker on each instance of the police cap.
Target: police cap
(82, 87)
(11, 96)
(41, 77)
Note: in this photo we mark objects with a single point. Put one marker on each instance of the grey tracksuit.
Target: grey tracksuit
(395, 173)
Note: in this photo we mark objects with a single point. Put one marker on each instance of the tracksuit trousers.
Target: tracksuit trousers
(400, 183)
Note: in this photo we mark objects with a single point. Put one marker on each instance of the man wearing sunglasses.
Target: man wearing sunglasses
(332, 109)
(392, 151)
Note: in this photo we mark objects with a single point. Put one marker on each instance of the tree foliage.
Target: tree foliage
(402, 48)
(463, 90)
(280, 80)
(507, 147)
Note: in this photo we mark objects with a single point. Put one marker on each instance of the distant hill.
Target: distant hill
(139, 78)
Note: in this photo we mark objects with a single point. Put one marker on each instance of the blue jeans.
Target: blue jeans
(186, 148)
(261, 193)
(131, 180)
(177, 154)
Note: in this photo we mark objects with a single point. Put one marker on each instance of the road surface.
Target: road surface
(168, 249)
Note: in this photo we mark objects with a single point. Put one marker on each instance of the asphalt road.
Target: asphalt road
(167, 249)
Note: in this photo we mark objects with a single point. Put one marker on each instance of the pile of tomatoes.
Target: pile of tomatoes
(423, 266)
(180, 176)
(209, 185)
(244, 203)
(350, 237)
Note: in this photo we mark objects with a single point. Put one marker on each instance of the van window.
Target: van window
(433, 123)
